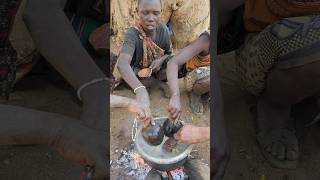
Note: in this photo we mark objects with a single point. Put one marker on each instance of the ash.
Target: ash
(134, 166)
(132, 163)
(178, 174)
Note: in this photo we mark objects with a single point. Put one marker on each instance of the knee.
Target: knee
(201, 87)
(162, 75)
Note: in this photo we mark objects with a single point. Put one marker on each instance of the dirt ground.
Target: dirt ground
(121, 123)
(247, 163)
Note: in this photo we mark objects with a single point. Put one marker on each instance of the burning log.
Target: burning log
(134, 166)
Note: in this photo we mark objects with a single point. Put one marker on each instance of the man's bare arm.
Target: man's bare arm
(142, 95)
(126, 71)
(57, 41)
(185, 54)
(118, 101)
(22, 126)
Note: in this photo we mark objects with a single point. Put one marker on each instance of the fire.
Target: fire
(135, 166)
(132, 163)
(137, 158)
(178, 174)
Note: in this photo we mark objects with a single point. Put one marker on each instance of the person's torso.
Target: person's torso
(160, 40)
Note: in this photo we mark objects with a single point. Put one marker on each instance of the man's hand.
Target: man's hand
(83, 145)
(137, 109)
(190, 134)
(142, 98)
(156, 64)
(174, 108)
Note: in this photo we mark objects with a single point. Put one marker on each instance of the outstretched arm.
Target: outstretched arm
(201, 44)
(21, 126)
(142, 95)
(57, 41)
(190, 134)
(186, 54)
(132, 105)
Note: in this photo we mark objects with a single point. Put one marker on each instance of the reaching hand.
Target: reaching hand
(174, 108)
(83, 145)
(156, 65)
(142, 98)
(190, 134)
(141, 111)
(138, 109)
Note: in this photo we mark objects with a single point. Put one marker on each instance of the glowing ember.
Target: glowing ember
(178, 174)
(132, 163)
(134, 166)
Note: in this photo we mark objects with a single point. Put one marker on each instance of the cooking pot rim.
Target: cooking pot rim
(158, 160)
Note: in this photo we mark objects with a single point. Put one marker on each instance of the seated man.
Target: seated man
(145, 51)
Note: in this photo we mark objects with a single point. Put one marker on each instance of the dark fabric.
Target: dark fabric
(89, 8)
(151, 51)
(133, 44)
(84, 26)
(231, 36)
(8, 56)
(86, 16)
(8, 10)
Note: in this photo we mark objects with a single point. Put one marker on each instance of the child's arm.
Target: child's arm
(201, 44)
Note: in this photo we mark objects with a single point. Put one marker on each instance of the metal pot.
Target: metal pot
(156, 156)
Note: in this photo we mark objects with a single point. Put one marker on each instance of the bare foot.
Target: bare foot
(276, 135)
